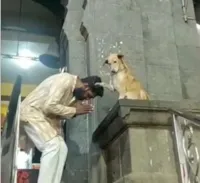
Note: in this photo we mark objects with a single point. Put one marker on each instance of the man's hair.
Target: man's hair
(91, 80)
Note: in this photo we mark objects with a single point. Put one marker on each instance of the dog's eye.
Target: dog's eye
(115, 61)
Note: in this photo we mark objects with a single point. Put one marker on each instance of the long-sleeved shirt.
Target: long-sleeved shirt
(50, 102)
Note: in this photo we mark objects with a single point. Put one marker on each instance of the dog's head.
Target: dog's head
(115, 62)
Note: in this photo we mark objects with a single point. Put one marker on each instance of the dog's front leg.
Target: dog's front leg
(105, 85)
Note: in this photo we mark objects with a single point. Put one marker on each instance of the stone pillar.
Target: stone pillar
(187, 43)
(137, 142)
(76, 169)
(153, 37)
(156, 42)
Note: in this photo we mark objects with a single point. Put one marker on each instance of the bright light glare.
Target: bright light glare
(198, 28)
(25, 53)
(22, 160)
(24, 63)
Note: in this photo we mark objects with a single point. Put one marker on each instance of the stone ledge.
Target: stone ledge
(148, 177)
(129, 113)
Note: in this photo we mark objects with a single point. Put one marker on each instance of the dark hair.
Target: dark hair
(91, 80)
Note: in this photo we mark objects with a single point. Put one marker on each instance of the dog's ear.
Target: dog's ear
(120, 56)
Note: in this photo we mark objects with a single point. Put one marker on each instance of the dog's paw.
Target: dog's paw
(99, 84)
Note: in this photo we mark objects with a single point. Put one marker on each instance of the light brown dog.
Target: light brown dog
(122, 80)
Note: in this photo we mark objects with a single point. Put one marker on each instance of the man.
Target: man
(58, 97)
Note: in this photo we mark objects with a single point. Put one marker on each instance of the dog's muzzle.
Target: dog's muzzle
(113, 72)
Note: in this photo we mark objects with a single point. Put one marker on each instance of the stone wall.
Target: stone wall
(161, 48)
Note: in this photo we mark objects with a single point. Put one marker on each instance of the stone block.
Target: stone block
(125, 160)
(125, 141)
(189, 57)
(150, 178)
(176, 7)
(160, 6)
(160, 150)
(140, 161)
(157, 28)
(77, 142)
(129, 22)
(77, 162)
(190, 86)
(164, 80)
(76, 49)
(78, 124)
(105, 19)
(80, 176)
(151, 118)
(186, 33)
(104, 106)
(113, 162)
(75, 5)
(72, 22)
(77, 66)
(137, 140)
(125, 5)
(98, 171)
(131, 46)
(99, 45)
(163, 54)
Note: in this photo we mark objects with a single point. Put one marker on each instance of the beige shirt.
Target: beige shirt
(50, 102)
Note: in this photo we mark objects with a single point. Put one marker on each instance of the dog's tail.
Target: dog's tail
(144, 95)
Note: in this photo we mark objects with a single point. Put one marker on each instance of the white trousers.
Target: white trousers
(54, 153)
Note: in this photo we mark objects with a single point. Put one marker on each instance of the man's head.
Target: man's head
(89, 90)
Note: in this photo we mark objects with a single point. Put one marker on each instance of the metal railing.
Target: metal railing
(184, 4)
(10, 136)
(187, 151)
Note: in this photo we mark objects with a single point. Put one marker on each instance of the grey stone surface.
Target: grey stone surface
(189, 57)
(141, 152)
(163, 54)
(78, 124)
(186, 34)
(189, 81)
(78, 141)
(164, 80)
(77, 129)
(77, 176)
(98, 170)
(157, 27)
(157, 45)
(154, 6)
(138, 113)
(148, 177)
(114, 170)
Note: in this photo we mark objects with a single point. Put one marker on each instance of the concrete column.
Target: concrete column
(188, 50)
(161, 48)
(76, 169)
(138, 142)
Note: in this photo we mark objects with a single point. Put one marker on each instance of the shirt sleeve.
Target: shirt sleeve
(58, 89)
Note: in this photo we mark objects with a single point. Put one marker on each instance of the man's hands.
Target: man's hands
(83, 109)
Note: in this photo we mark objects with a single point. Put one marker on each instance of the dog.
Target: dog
(122, 81)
